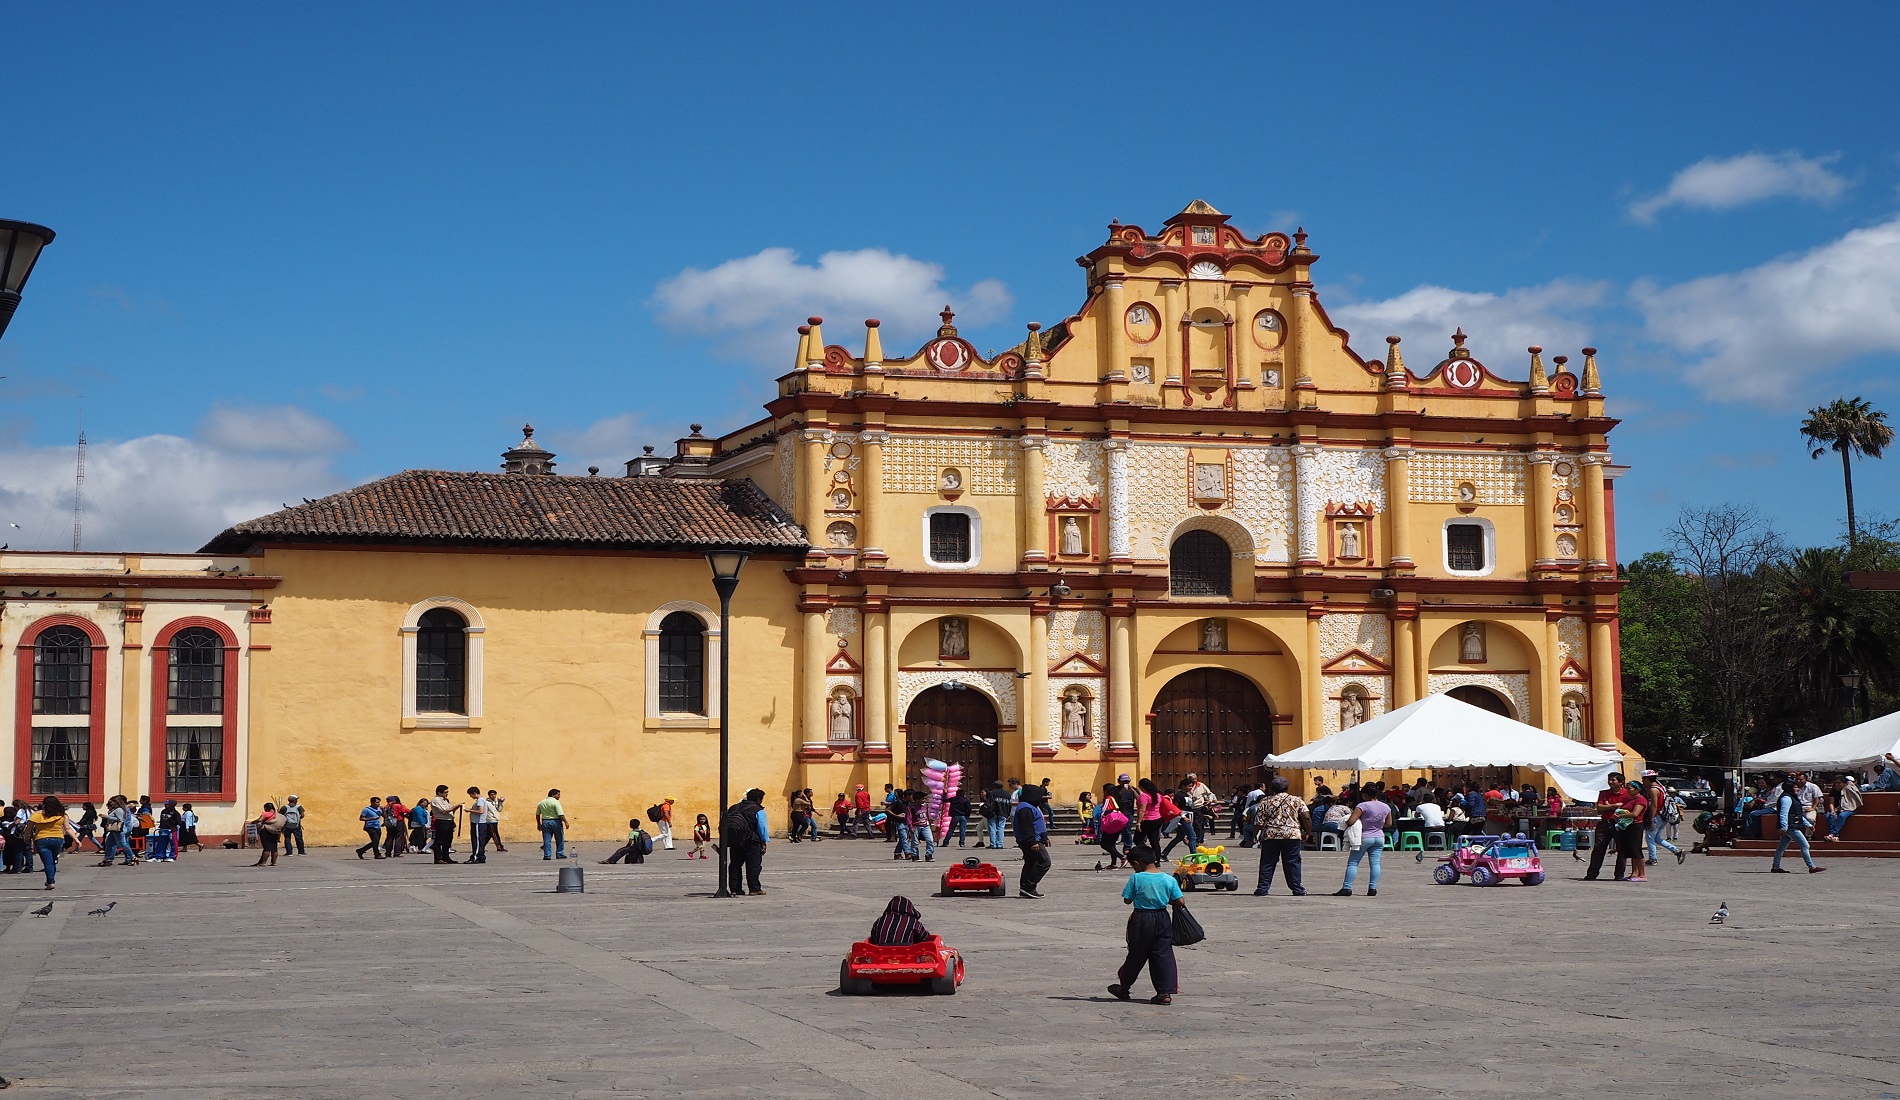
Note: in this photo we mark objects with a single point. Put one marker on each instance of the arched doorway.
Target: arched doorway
(1214, 723)
(953, 725)
(1482, 698)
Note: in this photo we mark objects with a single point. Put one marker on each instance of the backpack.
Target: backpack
(1169, 811)
(646, 844)
(738, 827)
(653, 813)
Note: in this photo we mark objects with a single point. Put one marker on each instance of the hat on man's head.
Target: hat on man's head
(1122, 778)
(1649, 773)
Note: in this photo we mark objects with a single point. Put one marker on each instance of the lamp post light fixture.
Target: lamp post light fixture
(20, 245)
(725, 573)
(1857, 683)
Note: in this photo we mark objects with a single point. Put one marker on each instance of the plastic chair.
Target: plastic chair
(1329, 842)
(1411, 842)
(1435, 841)
(1553, 839)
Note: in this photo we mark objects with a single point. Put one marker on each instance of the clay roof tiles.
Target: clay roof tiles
(442, 508)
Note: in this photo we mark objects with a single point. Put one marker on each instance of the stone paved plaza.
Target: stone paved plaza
(330, 977)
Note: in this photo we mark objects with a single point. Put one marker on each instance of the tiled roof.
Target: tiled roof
(437, 508)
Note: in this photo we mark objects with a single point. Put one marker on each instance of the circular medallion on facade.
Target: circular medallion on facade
(947, 355)
(1269, 329)
(841, 449)
(1464, 374)
(1562, 469)
(1144, 323)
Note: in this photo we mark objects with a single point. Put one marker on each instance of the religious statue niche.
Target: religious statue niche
(843, 724)
(1075, 716)
(1566, 515)
(1471, 647)
(1351, 528)
(953, 639)
(1574, 727)
(1214, 636)
(1566, 545)
(1142, 371)
(1349, 543)
(1467, 497)
(1143, 323)
(841, 535)
(950, 482)
(1072, 529)
(1353, 706)
(1074, 542)
(1210, 482)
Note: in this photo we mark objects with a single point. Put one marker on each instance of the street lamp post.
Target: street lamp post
(725, 570)
(20, 244)
(1856, 683)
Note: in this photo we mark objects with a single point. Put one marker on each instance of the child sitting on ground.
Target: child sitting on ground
(900, 926)
(637, 846)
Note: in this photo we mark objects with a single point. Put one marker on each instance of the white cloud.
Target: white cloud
(607, 443)
(753, 304)
(1723, 183)
(1761, 332)
(165, 492)
(277, 429)
(1500, 326)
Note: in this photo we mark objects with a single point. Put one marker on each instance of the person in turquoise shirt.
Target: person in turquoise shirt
(1150, 928)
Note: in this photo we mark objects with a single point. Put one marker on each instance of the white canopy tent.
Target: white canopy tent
(1441, 732)
(1853, 747)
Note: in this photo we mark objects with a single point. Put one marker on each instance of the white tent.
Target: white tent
(1441, 732)
(1853, 747)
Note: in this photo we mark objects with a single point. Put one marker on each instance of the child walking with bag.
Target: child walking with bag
(1150, 928)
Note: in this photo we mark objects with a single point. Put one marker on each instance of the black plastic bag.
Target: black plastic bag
(1187, 930)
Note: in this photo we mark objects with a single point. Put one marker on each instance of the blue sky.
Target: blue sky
(302, 247)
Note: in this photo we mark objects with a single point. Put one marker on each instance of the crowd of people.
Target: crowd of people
(128, 832)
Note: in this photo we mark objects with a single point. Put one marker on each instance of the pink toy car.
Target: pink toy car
(1489, 860)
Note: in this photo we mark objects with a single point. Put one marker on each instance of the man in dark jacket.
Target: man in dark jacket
(959, 817)
(745, 847)
(1031, 826)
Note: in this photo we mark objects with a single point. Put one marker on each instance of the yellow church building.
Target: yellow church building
(1183, 528)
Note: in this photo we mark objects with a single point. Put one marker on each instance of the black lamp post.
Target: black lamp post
(20, 244)
(1857, 684)
(725, 570)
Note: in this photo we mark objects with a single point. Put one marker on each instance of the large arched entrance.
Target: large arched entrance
(1482, 698)
(1213, 723)
(957, 726)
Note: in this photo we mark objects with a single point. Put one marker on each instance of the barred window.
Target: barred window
(682, 664)
(949, 538)
(194, 759)
(1464, 547)
(61, 756)
(441, 663)
(196, 673)
(1200, 564)
(62, 672)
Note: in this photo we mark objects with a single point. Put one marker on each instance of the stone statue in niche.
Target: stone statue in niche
(1471, 643)
(841, 534)
(1271, 379)
(952, 480)
(1072, 536)
(1566, 545)
(1210, 481)
(1349, 540)
(1352, 708)
(1467, 493)
(953, 639)
(1564, 514)
(1573, 718)
(843, 717)
(1214, 636)
(1075, 715)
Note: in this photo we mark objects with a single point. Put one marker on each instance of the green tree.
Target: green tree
(1667, 698)
(1847, 426)
(1830, 629)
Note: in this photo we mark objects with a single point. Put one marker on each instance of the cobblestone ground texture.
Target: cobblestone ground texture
(330, 977)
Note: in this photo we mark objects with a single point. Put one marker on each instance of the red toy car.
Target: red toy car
(1489, 860)
(927, 963)
(971, 876)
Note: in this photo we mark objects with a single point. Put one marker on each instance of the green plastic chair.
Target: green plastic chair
(1411, 842)
(1553, 839)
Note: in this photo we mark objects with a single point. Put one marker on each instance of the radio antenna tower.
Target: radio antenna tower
(79, 492)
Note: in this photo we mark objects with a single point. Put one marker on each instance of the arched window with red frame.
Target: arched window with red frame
(60, 710)
(195, 711)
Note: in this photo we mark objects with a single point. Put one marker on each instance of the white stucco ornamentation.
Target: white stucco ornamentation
(1570, 643)
(915, 464)
(842, 622)
(1374, 691)
(1514, 686)
(1083, 632)
(1369, 634)
(787, 467)
(1159, 498)
(1263, 499)
(1435, 475)
(1118, 535)
(1071, 469)
(1097, 688)
(1347, 475)
(999, 686)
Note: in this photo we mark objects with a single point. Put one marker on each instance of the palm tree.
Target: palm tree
(1847, 426)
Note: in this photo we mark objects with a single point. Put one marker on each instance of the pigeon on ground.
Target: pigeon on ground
(1419, 858)
(103, 909)
(1098, 865)
(43, 910)
(1721, 915)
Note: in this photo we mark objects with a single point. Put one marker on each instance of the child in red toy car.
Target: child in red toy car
(900, 926)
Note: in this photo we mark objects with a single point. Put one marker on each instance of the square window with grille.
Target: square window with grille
(196, 681)
(62, 757)
(62, 672)
(1464, 547)
(194, 759)
(949, 538)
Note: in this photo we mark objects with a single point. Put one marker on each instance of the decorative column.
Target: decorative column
(1553, 666)
(877, 729)
(1304, 392)
(1119, 550)
(871, 497)
(1239, 338)
(1306, 500)
(1543, 509)
(811, 481)
(812, 711)
(1034, 711)
(1173, 316)
(1121, 682)
(1602, 681)
(1114, 335)
(1595, 529)
(1313, 725)
(1033, 506)
(1398, 505)
(1405, 685)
